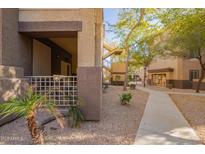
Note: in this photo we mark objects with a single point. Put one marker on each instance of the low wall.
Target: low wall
(180, 84)
(11, 85)
(195, 82)
(11, 72)
(11, 82)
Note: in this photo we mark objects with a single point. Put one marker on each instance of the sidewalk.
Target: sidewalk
(162, 123)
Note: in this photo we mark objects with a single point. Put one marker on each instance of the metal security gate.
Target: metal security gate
(62, 90)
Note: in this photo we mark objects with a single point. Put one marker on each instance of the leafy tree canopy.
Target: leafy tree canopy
(186, 33)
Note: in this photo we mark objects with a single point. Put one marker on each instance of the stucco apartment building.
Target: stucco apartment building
(118, 70)
(47, 42)
(174, 72)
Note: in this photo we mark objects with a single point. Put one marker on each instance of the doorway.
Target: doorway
(159, 80)
(65, 68)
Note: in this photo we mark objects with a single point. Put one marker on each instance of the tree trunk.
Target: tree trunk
(144, 82)
(36, 134)
(126, 70)
(202, 71)
(142, 13)
(200, 79)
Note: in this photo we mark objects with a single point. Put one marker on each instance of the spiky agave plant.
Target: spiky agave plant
(27, 106)
(75, 115)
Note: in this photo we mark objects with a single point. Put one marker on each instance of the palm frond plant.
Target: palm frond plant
(125, 98)
(27, 106)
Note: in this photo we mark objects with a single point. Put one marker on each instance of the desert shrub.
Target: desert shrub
(75, 116)
(125, 98)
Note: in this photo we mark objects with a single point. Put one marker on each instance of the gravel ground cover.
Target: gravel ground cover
(193, 109)
(118, 124)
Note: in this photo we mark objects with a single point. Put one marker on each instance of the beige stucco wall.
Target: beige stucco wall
(181, 67)
(118, 67)
(89, 40)
(99, 36)
(41, 59)
(191, 64)
(160, 63)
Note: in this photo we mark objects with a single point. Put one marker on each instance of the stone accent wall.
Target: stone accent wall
(11, 72)
(11, 87)
(11, 82)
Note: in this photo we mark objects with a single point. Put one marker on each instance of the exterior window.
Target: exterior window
(193, 74)
(117, 78)
(194, 54)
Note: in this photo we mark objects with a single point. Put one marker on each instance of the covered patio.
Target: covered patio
(58, 53)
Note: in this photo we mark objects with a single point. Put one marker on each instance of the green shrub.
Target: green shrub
(125, 98)
(75, 115)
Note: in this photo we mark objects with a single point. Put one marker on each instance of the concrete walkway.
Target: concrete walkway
(162, 123)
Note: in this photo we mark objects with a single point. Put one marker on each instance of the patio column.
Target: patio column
(89, 70)
(89, 78)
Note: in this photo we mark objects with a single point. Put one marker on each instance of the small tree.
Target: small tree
(27, 107)
(129, 21)
(127, 45)
(145, 51)
(142, 58)
(185, 35)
